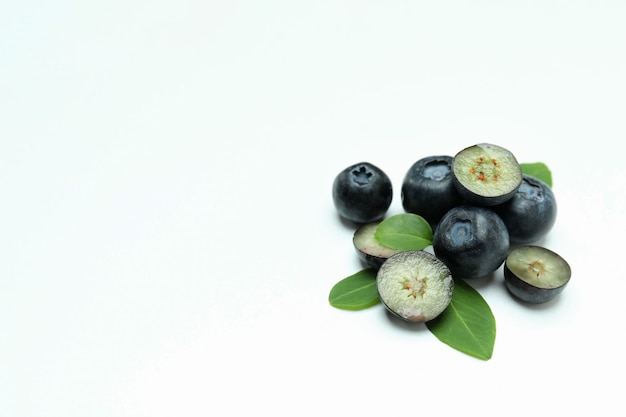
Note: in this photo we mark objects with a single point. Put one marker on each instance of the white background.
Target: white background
(168, 234)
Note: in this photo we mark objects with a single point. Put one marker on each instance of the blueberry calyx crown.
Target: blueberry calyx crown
(436, 170)
(530, 191)
(361, 175)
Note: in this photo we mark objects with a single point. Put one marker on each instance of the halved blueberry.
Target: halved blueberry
(535, 274)
(415, 286)
(486, 174)
(370, 252)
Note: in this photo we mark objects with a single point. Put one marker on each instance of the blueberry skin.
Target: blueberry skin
(362, 193)
(531, 213)
(529, 293)
(428, 189)
(472, 241)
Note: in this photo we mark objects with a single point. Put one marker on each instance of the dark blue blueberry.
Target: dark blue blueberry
(428, 190)
(472, 241)
(362, 193)
(531, 213)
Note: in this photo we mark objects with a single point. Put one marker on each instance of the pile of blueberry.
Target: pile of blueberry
(483, 210)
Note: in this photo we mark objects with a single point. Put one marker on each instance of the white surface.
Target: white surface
(168, 236)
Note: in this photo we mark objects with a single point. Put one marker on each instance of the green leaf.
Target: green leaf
(405, 232)
(538, 170)
(355, 292)
(468, 324)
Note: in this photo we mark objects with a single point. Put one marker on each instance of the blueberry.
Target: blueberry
(486, 174)
(362, 193)
(369, 251)
(414, 286)
(531, 213)
(472, 241)
(428, 190)
(535, 274)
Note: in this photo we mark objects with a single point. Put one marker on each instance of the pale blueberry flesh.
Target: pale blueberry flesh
(371, 253)
(535, 274)
(486, 174)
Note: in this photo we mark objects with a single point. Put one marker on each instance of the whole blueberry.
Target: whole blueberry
(531, 213)
(472, 241)
(362, 193)
(428, 189)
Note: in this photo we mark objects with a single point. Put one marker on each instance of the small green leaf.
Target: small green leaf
(405, 231)
(355, 292)
(538, 170)
(468, 324)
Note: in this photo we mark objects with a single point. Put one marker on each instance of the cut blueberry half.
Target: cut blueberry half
(370, 252)
(486, 174)
(535, 274)
(427, 188)
(414, 286)
(362, 193)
